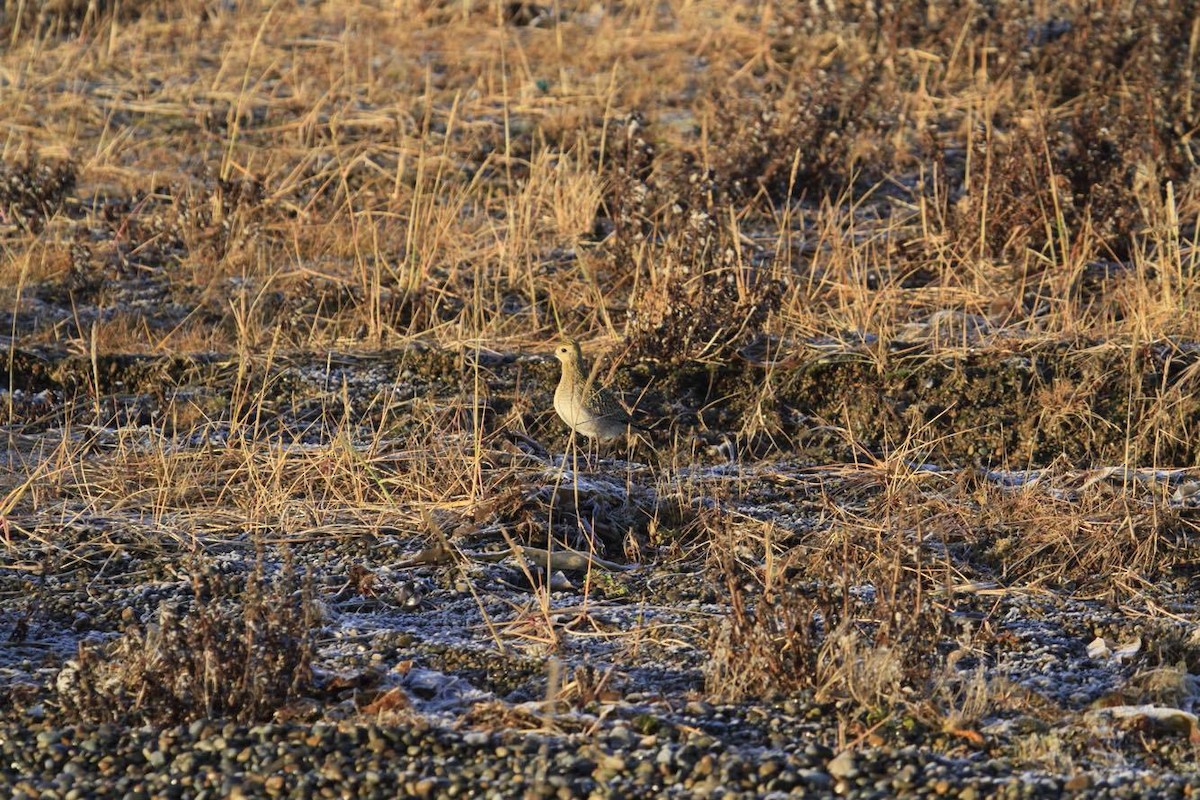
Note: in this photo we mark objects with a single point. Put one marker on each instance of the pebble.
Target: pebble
(843, 765)
(358, 759)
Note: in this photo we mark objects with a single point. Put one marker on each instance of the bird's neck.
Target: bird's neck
(573, 374)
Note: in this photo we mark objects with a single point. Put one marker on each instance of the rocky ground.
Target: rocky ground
(446, 659)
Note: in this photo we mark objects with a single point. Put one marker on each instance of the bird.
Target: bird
(586, 408)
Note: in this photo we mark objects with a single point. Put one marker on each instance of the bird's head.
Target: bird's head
(568, 352)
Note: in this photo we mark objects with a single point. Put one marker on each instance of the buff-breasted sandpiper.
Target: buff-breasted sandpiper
(587, 408)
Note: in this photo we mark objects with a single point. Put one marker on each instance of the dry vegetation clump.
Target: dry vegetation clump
(806, 138)
(1097, 538)
(700, 291)
(243, 650)
(684, 222)
(861, 612)
(1076, 173)
(33, 191)
(1071, 190)
(51, 19)
(1166, 673)
(60, 18)
(857, 617)
(875, 647)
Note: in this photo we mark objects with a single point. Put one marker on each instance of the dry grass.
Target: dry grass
(859, 611)
(692, 185)
(242, 652)
(452, 174)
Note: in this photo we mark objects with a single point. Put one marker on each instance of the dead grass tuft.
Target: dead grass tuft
(243, 650)
(33, 191)
(857, 618)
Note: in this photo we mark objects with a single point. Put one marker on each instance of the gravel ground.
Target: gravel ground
(432, 663)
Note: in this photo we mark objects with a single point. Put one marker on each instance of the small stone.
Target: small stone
(424, 787)
(904, 778)
(1078, 782)
(620, 734)
(843, 765)
(816, 779)
(609, 767)
(818, 752)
